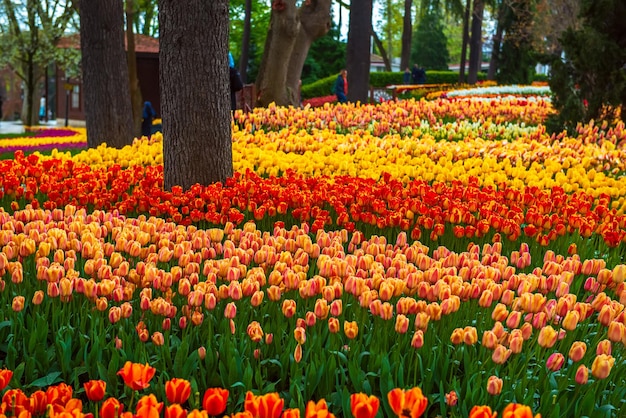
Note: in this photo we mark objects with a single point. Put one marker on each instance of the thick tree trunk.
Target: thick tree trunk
(245, 43)
(284, 27)
(195, 93)
(135, 91)
(476, 42)
(108, 113)
(466, 16)
(314, 17)
(407, 34)
(358, 50)
(497, 41)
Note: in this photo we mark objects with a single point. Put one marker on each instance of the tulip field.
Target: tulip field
(435, 258)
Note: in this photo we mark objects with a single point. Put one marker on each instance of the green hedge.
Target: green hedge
(324, 86)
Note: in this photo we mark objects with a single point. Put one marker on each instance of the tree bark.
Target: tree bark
(497, 41)
(108, 112)
(314, 17)
(195, 93)
(407, 34)
(284, 27)
(381, 48)
(245, 43)
(476, 42)
(131, 56)
(358, 50)
(466, 18)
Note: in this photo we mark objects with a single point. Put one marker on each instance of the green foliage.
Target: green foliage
(259, 25)
(589, 81)
(323, 87)
(326, 57)
(429, 47)
(517, 56)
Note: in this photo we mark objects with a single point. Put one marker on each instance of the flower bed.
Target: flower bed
(387, 262)
(46, 139)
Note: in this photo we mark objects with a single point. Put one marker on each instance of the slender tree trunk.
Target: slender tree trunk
(358, 50)
(314, 17)
(284, 27)
(466, 16)
(131, 56)
(476, 41)
(245, 43)
(497, 41)
(195, 93)
(108, 112)
(381, 49)
(407, 34)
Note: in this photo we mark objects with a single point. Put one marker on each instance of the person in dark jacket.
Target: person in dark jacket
(418, 75)
(148, 116)
(341, 86)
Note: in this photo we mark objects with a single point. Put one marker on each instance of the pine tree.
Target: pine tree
(589, 80)
(429, 42)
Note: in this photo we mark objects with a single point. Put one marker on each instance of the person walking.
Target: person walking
(341, 86)
(147, 116)
(406, 79)
(418, 75)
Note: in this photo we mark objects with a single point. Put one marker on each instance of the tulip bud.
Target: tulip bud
(418, 339)
(577, 351)
(555, 362)
(602, 365)
(494, 385)
(582, 374)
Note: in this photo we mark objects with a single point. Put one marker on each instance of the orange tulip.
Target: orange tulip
(95, 389)
(111, 408)
(577, 351)
(363, 406)
(39, 403)
(175, 411)
(547, 337)
(482, 411)
(291, 413)
(269, 405)
(515, 410)
(317, 410)
(18, 303)
(214, 400)
(494, 385)
(602, 365)
(351, 329)
(148, 407)
(407, 403)
(177, 390)
(5, 377)
(197, 414)
(137, 376)
(333, 325)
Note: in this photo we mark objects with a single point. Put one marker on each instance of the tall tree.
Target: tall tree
(407, 35)
(430, 50)
(31, 32)
(497, 41)
(108, 111)
(315, 22)
(195, 95)
(145, 18)
(589, 78)
(476, 41)
(133, 80)
(291, 33)
(358, 50)
(245, 42)
(517, 58)
(465, 42)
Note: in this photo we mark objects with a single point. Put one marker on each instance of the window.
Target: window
(76, 97)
